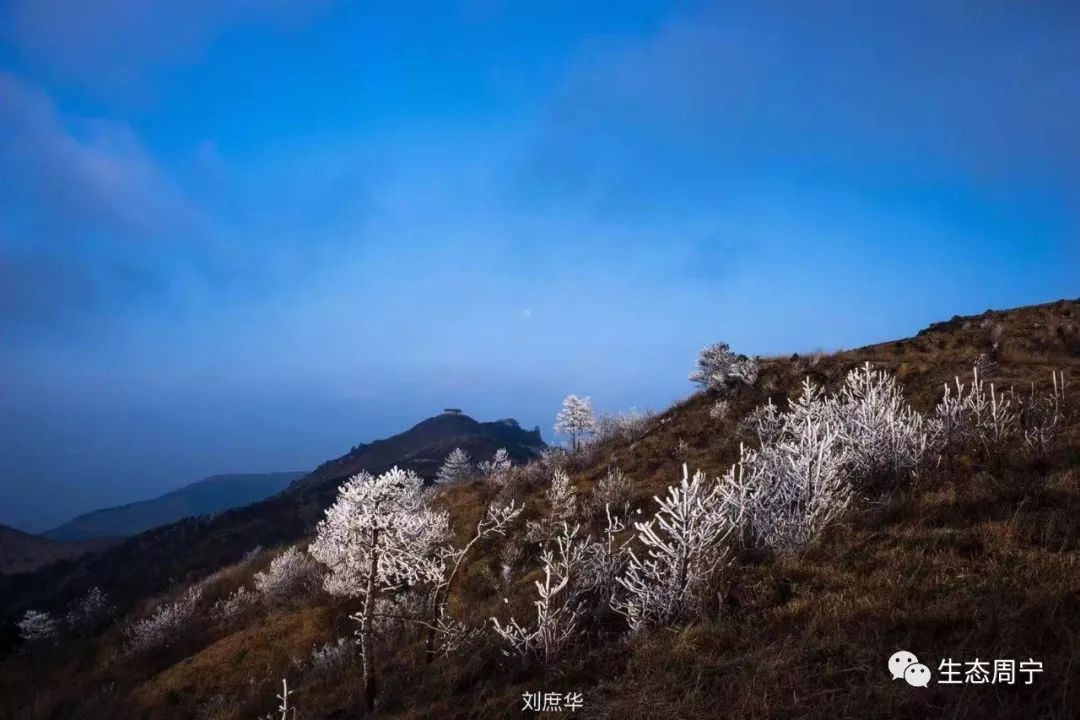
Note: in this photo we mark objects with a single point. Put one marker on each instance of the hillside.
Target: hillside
(22, 552)
(979, 557)
(205, 497)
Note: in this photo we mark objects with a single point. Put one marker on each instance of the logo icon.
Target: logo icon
(917, 675)
(900, 661)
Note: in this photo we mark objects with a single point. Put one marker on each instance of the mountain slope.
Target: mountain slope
(212, 495)
(22, 552)
(150, 562)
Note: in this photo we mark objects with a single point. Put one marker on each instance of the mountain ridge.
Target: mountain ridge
(202, 497)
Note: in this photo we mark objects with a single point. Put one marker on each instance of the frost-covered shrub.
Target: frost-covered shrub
(457, 468)
(628, 426)
(497, 467)
(718, 368)
(884, 435)
(333, 657)
(453, 636)
(234, 608)
(719, 409)
(252, 555)
(801, 482)
(605, 560)
(611, 491)
(510, 555)
(684, 545)
(291, 577)
(1043, 416)
(36, 626)
(763, 422)
(164, 624)
(89, 612)
(497, 520)
(557, 610)
(979, 416)
(562, 507)
(976, 415)
(811, 456)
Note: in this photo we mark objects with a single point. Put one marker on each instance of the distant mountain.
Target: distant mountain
(151, 561)
(22, 552)
(205, 497)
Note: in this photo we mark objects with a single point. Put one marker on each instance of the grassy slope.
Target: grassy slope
(980, 562)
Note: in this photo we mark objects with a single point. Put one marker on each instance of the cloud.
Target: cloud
(84, 209)
(918, 90)
(113, 42)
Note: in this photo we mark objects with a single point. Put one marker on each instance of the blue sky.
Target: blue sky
(244, 236)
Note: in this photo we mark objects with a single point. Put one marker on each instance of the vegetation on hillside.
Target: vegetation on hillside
(758, 550)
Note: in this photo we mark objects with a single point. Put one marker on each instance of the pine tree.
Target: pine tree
(457, 468)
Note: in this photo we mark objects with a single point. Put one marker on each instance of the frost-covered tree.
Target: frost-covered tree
(379, 535)
(36, 626)
(165, 623)
(718, 368)
(684, 545)
(291, 577)
(497, 467)
(557, 610)
(455, 469)
(575, 419)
